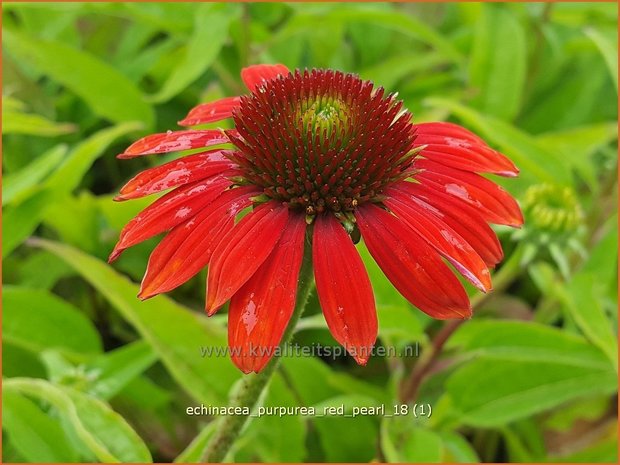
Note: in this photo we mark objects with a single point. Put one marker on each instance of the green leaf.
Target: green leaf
(104, 432)
(194, 452)
(575, 14)
(69, 175)
(516, 449)
(530, 433)
(399, 323)
(346, 383)
(603, 259)
(457, 449)
(133, 43)
(62, 371)
(17, 361)
(137, 67)
(344, 443)
(498, 62)
(275, 439)
(308, 377)
(110, 94)
(374, 41)
(77, 221)
(317, 382)
(20, 221)
(34, 125)
(174, 18)
(22, 182)
(50, 21)
(42, 270)
(145, 396)
(586, 97)
(116, 369)
(175, 333)
(579, 145)
(314, 382)
(525, 341)
(37, 436)
(582, 299)
(608, 49)
(37, 320)
(12, 104)
(537, 163)
(406, 24)
(404, 442)
(389, 71)
(210, 33)
(510, 390)
(326, 43)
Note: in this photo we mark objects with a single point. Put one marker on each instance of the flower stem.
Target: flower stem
(252, 385)
(427, 360)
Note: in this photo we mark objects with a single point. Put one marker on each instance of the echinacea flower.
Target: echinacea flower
(326, 156)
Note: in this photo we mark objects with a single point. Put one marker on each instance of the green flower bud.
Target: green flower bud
(552, 209)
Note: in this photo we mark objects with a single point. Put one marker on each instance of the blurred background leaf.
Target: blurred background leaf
(109, 93)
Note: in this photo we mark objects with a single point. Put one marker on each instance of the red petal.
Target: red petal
(254, 76)
(448, 130)
(260, 311)
(442, 237)
(494, 203)
(176, 173)
(175, 141)
(211, 112)
(344, 288)
(243, 251)
(460, 150)
(168, 211)
(461, 217)
(188, 247)
(414, 268)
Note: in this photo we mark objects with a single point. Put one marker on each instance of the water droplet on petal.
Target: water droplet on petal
(183, 212)
(458, 191)
(249, 318)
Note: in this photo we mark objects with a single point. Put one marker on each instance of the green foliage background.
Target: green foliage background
(91, 373)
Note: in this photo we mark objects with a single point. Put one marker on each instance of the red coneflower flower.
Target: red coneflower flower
(328, 153)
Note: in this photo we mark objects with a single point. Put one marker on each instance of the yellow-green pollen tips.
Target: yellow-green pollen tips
(325, 118)
(552, 208)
